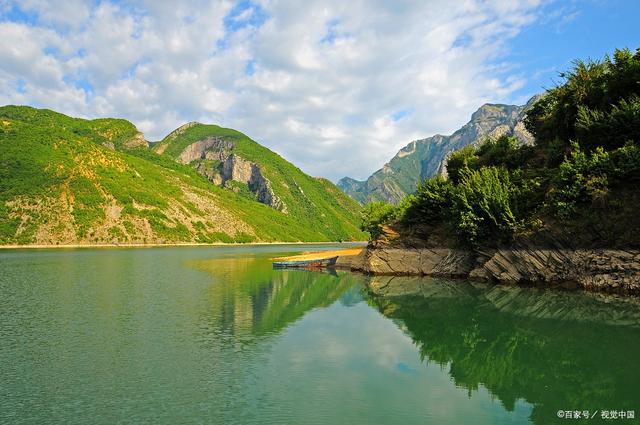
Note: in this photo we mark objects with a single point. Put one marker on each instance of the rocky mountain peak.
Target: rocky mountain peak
(494, 111)
(427, 157)
(184, 127)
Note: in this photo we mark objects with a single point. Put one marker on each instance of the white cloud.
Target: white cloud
(70, 13)
(325, 77)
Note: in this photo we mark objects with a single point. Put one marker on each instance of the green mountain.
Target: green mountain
(67, 180)
(425, 158)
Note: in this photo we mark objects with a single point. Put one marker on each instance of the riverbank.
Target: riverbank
(601, 270)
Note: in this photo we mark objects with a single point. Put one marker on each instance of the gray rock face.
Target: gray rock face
(137, 141)
(601, 270)
(211, 173)
(427, 157)
(240, 170)
(226, 166)
(178, 131)
(212, 148)
(349, 185)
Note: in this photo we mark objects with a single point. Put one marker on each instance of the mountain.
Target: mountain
(427, 157)
(67, 180)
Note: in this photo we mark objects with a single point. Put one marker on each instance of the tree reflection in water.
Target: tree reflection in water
(556, 350)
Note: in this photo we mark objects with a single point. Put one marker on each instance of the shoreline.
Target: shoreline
(597, 270)
(169, 245)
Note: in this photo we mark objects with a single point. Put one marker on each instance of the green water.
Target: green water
(215, 336)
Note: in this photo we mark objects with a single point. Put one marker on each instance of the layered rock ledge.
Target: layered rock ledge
(603, 270)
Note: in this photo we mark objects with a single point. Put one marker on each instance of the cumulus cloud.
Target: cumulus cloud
(335, 87)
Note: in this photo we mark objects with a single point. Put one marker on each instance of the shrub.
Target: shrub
(501, 151)
(461, 160)
(587, 178)
(505, 151)
(376, 214)
(610, 129)
(430, 203)
(482, 206)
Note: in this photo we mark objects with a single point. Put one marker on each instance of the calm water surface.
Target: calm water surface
(215, 336)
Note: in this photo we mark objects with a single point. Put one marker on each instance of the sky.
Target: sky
(334, 86)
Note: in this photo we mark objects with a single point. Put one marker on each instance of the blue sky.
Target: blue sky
(584, 29)
(335, 87)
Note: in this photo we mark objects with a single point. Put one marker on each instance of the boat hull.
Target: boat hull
(325, 262)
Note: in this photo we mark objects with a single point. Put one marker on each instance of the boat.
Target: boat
(322, 262)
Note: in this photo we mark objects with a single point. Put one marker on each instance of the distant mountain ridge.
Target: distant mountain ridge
(66, 180)
(427, 157)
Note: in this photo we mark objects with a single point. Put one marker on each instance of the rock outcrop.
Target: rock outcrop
(213, 157)
(137, 141)
(240, 170)
(211, 148)
(605, 270)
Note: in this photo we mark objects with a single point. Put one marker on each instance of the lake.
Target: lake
(213, 335)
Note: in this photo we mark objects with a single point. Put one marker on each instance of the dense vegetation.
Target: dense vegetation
(70, 180)
(578, 179)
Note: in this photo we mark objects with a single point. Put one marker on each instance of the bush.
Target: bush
(376, 214)
(430, 203)
(610, 129)
(499, 152)
(625, 163)
(482, 206)
(461, 160)
(587, 178)
(505, 151)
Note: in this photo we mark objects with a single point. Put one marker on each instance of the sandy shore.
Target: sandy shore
(321, 255)
(123, 245)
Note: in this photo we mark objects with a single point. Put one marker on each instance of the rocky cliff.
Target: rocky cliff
(213, 157)
(210, 148)
(129, 143)
(427, 157)
(235, 168)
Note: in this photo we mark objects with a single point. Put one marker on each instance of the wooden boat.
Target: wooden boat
(321, 262)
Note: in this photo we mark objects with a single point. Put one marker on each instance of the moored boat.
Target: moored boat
(322, 262)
